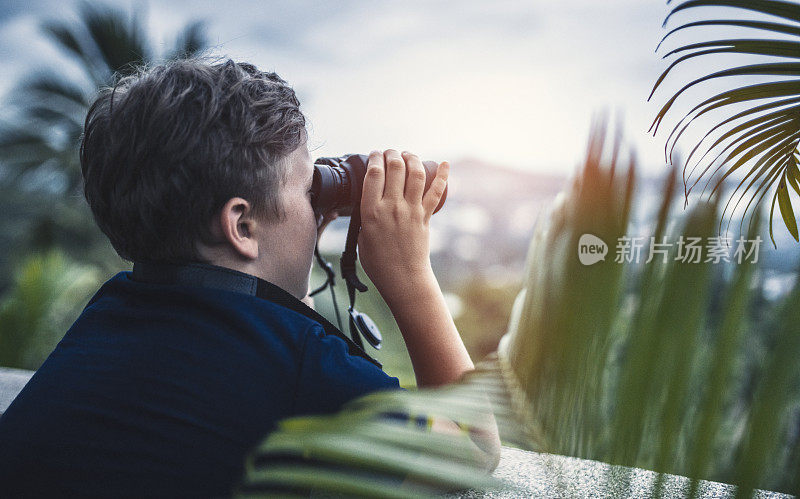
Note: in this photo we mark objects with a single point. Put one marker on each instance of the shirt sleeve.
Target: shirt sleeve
(329, 376)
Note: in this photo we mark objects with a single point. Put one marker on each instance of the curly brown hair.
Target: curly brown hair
(164, 149)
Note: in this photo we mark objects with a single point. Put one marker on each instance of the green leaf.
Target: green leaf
(791, 175)
(776, 69)
(786, 10)
(766, 26)
(121, 43)
(767, 161)
(772, 134)
(749, 126)
(191, 41)
(787, 212)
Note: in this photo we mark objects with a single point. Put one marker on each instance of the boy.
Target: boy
(200, 175)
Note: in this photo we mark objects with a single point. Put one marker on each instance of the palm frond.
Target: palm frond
(620, 375)
(119, 39)
(50, 86)
(191, 41)
(76, 44)
(23, 149)
(375, 448)
(767, 139)
(785, 10)
(46, 110)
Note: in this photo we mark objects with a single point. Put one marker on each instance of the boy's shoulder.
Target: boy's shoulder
(209, 293)
(268, 322)
(213, 369)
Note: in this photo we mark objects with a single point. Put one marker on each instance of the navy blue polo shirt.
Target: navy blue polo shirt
(169, 377)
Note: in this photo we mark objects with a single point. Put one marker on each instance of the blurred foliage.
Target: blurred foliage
(41, 193)
(375, 447)
(48, 108)
(483, 318)
(645, 378)
(40, 127)
(660, 365)
(48, 294)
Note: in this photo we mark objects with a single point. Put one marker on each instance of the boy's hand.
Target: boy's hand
(394, 243)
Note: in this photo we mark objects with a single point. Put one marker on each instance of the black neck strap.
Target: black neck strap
(216, 277)
(348, 268)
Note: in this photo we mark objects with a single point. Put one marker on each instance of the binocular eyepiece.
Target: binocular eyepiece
(338, 181)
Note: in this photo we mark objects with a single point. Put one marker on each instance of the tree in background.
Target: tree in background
(43, 120)
(41, 197)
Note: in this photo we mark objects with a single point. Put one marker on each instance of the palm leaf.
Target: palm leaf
(75, 44)
(785, 10)
(748, 127)
(764, 134)
(50, 86)
(785, 204)
(48, 109)
(191, 41)
(120, 41)
(363, 451)
(774, 27)
(23, 149)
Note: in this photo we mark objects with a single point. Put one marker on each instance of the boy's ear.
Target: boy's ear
(239, 227)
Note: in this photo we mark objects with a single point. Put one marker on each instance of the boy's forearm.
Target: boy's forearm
(437, 353)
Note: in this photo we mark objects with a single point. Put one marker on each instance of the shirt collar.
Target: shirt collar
(216, 277)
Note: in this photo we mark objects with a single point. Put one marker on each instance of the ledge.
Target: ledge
(533, 474)
(11, 383)
(528, 474)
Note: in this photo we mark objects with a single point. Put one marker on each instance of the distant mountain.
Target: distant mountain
(473, 180)
(488, 219)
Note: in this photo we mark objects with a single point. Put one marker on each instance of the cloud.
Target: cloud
(508, 81)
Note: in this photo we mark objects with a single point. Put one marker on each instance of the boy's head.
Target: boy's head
(198, 162)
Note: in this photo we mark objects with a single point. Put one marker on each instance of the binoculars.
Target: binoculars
(338, 181)
(337, 186)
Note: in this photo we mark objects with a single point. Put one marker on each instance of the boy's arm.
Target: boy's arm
(394, 252)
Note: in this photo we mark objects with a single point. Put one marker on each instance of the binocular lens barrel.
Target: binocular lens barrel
(338, 182)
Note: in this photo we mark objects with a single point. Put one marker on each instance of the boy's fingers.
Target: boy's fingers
(431, 198)
(415, 181)
(395, 175)
(372, 190)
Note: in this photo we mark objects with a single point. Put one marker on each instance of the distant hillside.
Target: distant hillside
(486, 224)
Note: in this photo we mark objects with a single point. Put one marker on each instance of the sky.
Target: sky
(507, 82)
